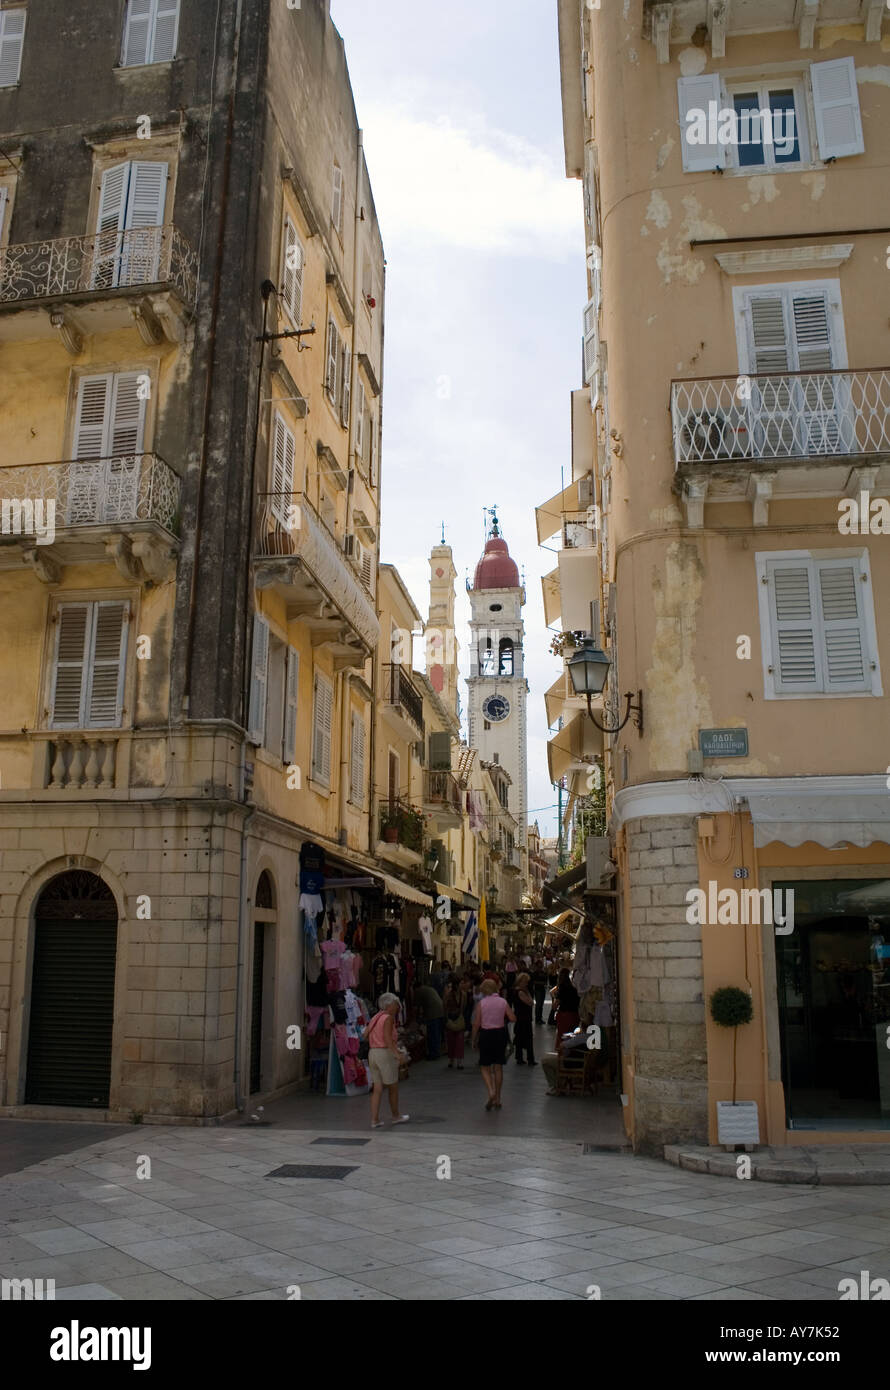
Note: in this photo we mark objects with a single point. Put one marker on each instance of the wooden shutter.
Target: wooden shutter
(368, 568)
(375, 451)
(820, 429)
(283, 458)
(292, 272)
(258, 680)
(165, 30)
(357, 761)
(591, 345)
(12, 43)
(768, 333)
(291, 697)
(137, 33)
(337, 199)
(333, 355)
(845, 639)
(109, 224)
(795, 658)
(696, 94)
(127, 416)
(836, 103)
(146, 205)
(73, 621)
(108, 648)
(359, 419)
(321, 732)
(346, 394)
(440, 751)
(90, 424)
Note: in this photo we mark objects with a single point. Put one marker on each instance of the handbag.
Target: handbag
(456, 1023)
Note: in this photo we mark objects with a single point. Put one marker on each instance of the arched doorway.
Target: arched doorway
(263, 960)
(72, 993)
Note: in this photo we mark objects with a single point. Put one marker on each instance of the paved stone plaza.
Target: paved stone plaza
(525, 1215)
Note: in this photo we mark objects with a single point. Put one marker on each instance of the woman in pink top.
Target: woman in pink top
(490, 1030)
(384, 1059)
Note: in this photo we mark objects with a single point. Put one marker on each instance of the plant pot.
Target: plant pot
(391, 835)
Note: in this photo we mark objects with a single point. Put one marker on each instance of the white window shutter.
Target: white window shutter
(137, 33)
(258, 680)
(146, 206)
(357, 761)
(165, 31)
(292, 272)
(321, 731)
(836, 103)
(793, 620)
(91, 420)
(127, 427)
(333, 354)
(812, 332)
(375, 446)
(359, 419)
(346, 395)
(696, 94)
(283, 458)
(846, 665)
(768, 334)
(591, 340)
(107, 666)
(291, 693)
(12, 44)
(73, 623)
(109, 224)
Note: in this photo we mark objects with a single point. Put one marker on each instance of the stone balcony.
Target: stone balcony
(788, 435)
(300, 558)
(124, 508)
(442, 799)
(667, 22)
(80, 286)
(401, 702)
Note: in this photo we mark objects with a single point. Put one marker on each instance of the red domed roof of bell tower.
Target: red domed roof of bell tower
(496, 569)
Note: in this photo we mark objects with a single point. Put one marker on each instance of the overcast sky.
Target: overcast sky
(484, 239)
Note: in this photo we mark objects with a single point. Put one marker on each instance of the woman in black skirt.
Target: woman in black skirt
(490, 1020)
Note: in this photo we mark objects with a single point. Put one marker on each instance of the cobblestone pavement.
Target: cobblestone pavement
(523, 1217)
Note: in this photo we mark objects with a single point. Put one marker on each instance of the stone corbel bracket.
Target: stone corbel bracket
(863, 478)
(166, 314)
(805, 16)
(662, 16)
(695, 490)
(72, 338)
(873, 12)
(140, 558)
(150, 330)
(44, 564)
(760, 490)
(718, 23)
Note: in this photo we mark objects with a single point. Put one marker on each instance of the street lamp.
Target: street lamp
(589, 670)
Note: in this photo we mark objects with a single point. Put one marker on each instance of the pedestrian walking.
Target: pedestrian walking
(384, 1059)
(429, 1006)
(522, 1033)
(566, 1004)
(490, 1034)
(539, 989)
(454, 1026)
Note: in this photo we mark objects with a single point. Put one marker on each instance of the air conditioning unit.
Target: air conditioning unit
(711, 434)
(585, 491)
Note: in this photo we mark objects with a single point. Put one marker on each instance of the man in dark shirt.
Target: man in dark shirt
(429, 1006)
(539, 989)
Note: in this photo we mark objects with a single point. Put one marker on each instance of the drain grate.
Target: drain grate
(605, 1148)
(356, 1143)
(310, 1170)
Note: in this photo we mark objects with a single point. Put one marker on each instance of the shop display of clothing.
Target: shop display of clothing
(384, 969)
(425, 927)
(316, 1014)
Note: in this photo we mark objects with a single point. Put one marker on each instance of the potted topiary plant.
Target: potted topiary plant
(737, 1121)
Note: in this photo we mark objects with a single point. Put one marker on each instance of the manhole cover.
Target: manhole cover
(355, 1142)
(309, 1170)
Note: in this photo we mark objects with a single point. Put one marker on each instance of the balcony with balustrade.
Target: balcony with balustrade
(442, 799)
(780, 435)
(124, 508)
(83, 285)
(300, 558)
(401, 703)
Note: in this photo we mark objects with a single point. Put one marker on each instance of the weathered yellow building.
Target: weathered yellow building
(736, 405)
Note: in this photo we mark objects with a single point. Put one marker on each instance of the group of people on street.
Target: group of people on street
(479, 1004)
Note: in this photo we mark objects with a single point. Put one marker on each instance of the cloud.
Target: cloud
(467, 185)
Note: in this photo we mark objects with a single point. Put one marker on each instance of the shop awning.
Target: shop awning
(579, 738)
(552, 598)
(406, 891)
(860, 819)
(578, 586)
(548, 516)
(558, 924)
(561, 698)
(457, 897)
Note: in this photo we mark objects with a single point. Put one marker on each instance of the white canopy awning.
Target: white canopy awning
(552, 597)
(406, 891)
(858, 819)
(550, 513)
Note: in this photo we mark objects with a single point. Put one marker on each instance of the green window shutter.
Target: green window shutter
(440, 751)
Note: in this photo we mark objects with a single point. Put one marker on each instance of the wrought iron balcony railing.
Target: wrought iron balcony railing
(91, 492)
(792, 416)
(104, 261)
(399, 689)
(440, 789)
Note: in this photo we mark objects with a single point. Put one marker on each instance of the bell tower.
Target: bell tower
(498, 690)
(441, 640)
